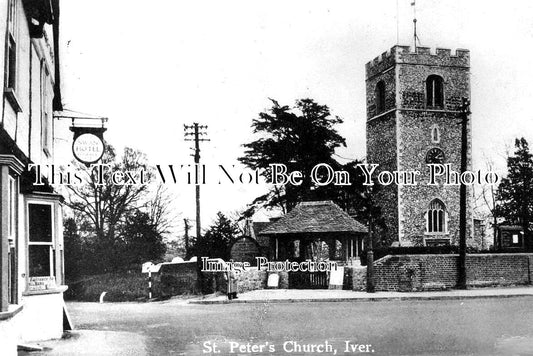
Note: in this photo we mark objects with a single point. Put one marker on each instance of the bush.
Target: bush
(120, 287)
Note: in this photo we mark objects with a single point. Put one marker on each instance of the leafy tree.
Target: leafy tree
(515, 190)
(141, 241)
(73, 250)
(176, 248)
(299, 137)
(216, 242)
(486, 203)
(355, 198)
(302, 137)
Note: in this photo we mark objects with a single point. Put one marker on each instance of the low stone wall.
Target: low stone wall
(251, 279)
(357, 277)
(407, 273)
(177, 278)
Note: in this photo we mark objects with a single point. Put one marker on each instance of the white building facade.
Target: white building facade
(31, 238)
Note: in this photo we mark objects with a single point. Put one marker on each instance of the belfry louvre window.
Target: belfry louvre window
(41, 244)
(436, 217)
(380, 97)
(434, 91)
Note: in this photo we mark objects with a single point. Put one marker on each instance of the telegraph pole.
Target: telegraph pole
(196, 131)
(465, 111)
(370, 286)
(187, 227)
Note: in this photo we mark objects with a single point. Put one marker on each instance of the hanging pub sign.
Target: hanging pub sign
(88, 146)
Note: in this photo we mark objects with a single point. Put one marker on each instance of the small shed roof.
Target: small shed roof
(315, 217)
(511, 227)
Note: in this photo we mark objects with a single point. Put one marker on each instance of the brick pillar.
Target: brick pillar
(4, 243)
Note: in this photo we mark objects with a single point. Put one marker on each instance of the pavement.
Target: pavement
(91, 343)
(333, 295)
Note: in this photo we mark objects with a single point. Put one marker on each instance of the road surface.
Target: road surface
(445, 327)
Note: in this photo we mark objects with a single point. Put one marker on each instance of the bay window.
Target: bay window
(41, 240)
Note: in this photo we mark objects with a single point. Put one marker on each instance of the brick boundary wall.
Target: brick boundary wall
(406, 273)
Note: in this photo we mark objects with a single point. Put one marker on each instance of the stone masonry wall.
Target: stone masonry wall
(415, 123)
(400, 137)
(414, 142)
(358, 278)
(388, 78)
(381, 149)
(406, 273)
(253, 279)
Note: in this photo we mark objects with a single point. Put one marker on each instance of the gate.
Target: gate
(308, 280)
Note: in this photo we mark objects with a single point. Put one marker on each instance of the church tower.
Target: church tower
(413, 118)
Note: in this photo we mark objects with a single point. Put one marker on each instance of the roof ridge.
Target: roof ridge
(315, 202)
(315, 216)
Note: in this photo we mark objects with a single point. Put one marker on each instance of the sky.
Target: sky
(151, 67)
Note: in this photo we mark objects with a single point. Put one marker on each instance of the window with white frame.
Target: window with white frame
(41, 240)
(436, 217)
(11, 58)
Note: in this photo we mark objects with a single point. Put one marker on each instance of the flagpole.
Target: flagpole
(413, 4)
(397, 23)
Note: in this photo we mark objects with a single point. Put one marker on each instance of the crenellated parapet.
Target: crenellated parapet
(422, 55)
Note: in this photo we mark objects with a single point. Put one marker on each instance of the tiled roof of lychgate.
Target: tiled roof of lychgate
(259, 226)
(315, 217)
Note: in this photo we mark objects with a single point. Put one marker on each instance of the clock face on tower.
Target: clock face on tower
(435, 155)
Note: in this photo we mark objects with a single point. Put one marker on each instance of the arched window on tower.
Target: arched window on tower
(436, 217)
(434, 91)
(380, 96)
(435, 134)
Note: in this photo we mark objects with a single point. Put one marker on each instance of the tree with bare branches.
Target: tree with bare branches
(486, 202)
(107, 213)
